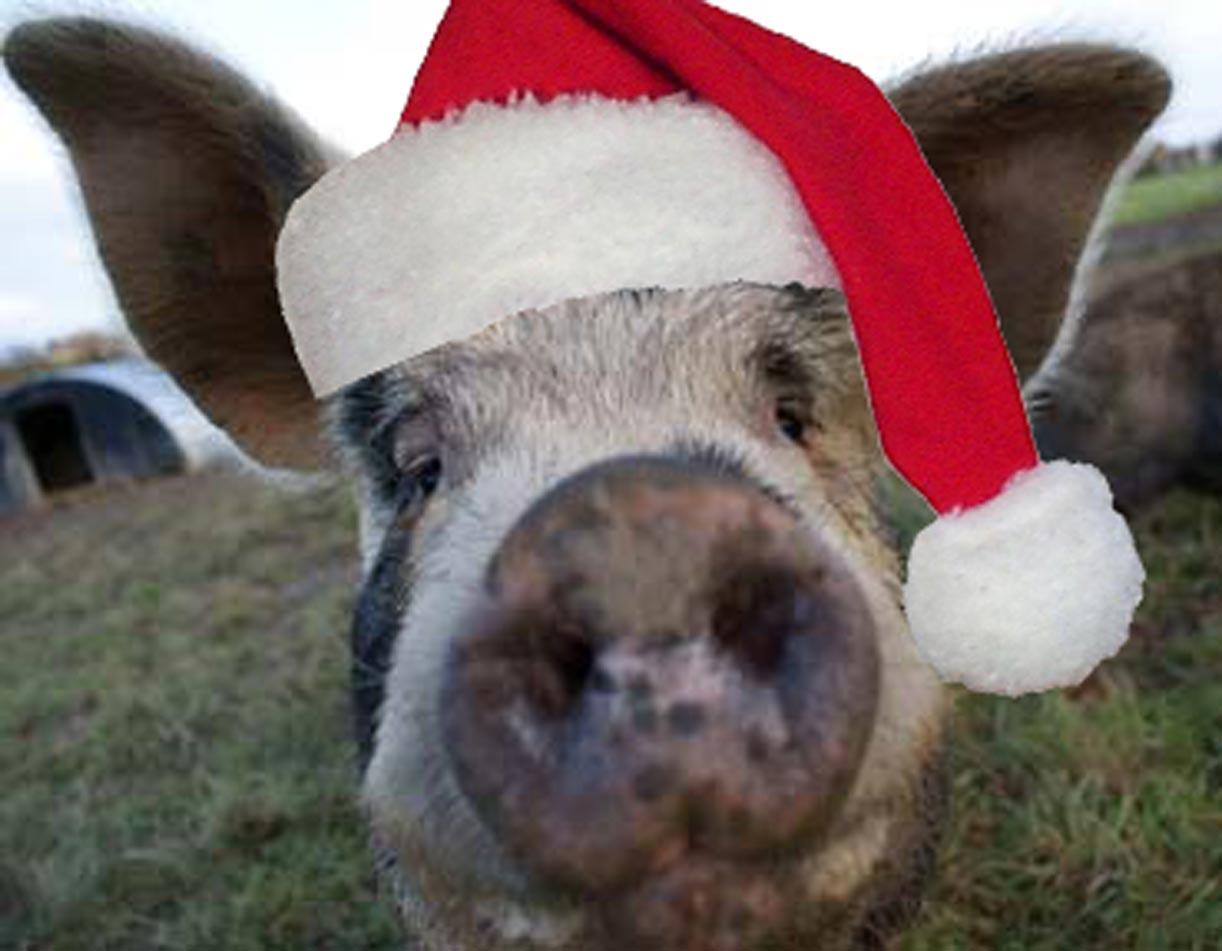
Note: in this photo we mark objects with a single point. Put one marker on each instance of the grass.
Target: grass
(1163, 196)
(1092, 819)
(178, 769)
(176, 757)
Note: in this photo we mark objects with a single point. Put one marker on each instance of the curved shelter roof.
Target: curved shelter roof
(96, 423)
(156, 390)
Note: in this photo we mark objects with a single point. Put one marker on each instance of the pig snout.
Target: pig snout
(1140, 462)
(668, 671)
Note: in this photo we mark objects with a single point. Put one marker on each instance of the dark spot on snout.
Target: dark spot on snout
(645, 717)
(566, 664)
(755, 614)
(639, 691)
(758, 749)
(547, 662)
(686, 719)
(652, 782)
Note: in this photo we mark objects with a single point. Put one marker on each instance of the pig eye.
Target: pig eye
(791, 425)
(412, 447)
(420, 479)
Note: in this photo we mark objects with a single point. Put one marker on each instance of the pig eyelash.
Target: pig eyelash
(407, 476)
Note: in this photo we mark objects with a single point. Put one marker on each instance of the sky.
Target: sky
(346, 67)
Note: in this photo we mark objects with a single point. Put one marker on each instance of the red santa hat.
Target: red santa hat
(554, 149)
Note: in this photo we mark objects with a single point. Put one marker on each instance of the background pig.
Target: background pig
(1137, 387)
(630, 664)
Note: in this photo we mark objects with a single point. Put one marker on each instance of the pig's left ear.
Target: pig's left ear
(187, 171)
(1026, 144)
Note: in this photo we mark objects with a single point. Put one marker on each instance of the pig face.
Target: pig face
(1136, 386)
(642, 673)
(630, 666)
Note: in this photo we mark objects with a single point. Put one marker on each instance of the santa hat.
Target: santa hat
(554, 149)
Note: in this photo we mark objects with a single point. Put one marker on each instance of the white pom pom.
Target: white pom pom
(1030, 590)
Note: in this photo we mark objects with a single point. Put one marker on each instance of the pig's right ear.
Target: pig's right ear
(1026, 144)
(187, 172)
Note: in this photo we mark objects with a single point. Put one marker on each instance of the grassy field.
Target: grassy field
(178, 773)
(176, 761)
(1162, 196)
(1092, 819)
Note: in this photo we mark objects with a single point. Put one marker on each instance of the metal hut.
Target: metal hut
(99, 422)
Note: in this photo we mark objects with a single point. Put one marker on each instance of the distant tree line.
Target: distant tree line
(1165, 158)
(18, 363)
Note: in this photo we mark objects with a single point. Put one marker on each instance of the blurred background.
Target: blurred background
(174, 739)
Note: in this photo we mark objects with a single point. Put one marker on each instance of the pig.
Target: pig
(630, 664)
(1136, 386)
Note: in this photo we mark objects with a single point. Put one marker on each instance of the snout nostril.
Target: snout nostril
(559, 668)
(755, 615)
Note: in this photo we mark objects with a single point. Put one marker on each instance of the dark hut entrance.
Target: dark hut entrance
(100, 423)
(53, 444)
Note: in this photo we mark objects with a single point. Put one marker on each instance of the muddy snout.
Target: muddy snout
(667, 666)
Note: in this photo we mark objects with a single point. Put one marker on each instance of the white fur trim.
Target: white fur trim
(1030, 590)
(452, 225)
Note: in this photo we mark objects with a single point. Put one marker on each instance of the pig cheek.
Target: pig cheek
(415, 807)
(445, 858)
(373, 519)
(912, 706)
(886, 812)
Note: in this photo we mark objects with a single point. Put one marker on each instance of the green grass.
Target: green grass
(1093, 819)
(1162, 196)
(178, 769)
(176, 758)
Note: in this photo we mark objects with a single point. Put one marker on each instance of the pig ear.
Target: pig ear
(187, 172)
(1026, 144)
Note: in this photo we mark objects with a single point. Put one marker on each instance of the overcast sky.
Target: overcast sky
(346, 66)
